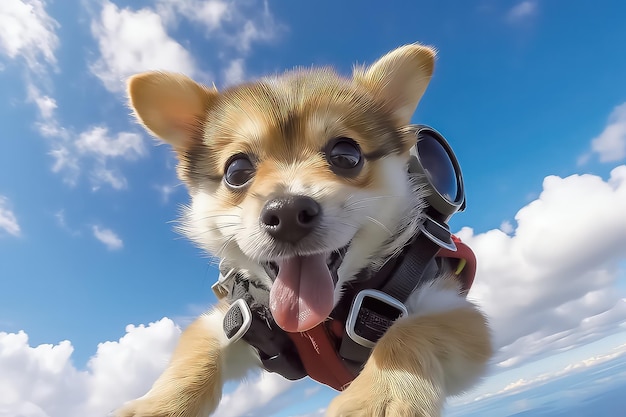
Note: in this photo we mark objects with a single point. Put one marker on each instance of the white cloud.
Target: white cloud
(134, 41)
(95, 150)
(8, 220)
(523, 384)
(522, 11)
(165, 191)
(108, 237)
(255, 32)
(46, 105)
(210, 14)
(62, 223)
(507, 227)
(236, 24)
(126, 369)
(42, 381)
(551, 286)
(27, 31)
(610, 145)
(47, 123)
(254, 397)
(66, 162)
(98, 142)
(235, 72)
(112, 177)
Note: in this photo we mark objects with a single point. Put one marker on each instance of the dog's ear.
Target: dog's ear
(400, 78)
(171, 106)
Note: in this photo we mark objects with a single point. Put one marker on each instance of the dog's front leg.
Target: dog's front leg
(419, 361)
(191, 386)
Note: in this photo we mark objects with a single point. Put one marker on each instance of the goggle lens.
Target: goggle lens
(438, 166)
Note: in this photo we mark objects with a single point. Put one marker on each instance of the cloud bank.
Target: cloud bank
(550, 285)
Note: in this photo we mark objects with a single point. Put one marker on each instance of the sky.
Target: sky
(95, 284)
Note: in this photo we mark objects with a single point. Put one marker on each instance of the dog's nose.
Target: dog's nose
(291, 218)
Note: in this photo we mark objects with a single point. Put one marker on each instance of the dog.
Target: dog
(290, 169)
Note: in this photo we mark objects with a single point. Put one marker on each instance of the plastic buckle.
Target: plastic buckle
(438, 233)
(246, 319)
(220, 287)
(371, 314)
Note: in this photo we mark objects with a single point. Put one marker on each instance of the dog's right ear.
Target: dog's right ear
(171, 106)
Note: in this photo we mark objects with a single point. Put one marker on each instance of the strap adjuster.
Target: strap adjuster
(371, 314)
(237, 320)
(221, 286)
(437, 232)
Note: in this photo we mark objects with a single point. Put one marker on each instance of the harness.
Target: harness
(334, 352)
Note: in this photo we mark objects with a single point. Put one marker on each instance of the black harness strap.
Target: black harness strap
(413, 268)
(417, 267)
(276, 350)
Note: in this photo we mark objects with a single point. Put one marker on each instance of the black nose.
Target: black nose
(291, 218)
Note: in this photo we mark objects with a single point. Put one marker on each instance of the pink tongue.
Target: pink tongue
(302, 294)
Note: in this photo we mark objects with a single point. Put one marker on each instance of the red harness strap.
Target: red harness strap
(318, 347)
(463, 252)
(319, 355)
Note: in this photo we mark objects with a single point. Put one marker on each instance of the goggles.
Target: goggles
(433, 159)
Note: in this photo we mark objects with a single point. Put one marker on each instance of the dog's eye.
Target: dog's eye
(239, 171)
(344, 156)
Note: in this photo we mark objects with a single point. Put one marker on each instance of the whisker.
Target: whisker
(377, 222)
(212, 229)
(201, 220)
(374, 197)
(360, 203)
(224, 245)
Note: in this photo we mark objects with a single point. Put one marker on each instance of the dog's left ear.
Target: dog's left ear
(400, 78)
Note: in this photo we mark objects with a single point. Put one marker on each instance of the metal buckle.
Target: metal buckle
(374, 305)
(246, 315)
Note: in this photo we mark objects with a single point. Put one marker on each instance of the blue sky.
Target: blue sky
(531, 95)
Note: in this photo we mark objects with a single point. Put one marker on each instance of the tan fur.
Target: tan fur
(388, 77)
(283, 124)
(190, 386)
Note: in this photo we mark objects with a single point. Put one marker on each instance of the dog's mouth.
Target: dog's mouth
(302, 295)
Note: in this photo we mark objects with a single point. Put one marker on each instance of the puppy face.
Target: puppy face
(296, 170)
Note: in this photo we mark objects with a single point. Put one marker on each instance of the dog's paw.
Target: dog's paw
(387, 394)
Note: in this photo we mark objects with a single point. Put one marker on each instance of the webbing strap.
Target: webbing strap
(416, 267)
(320, 358)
